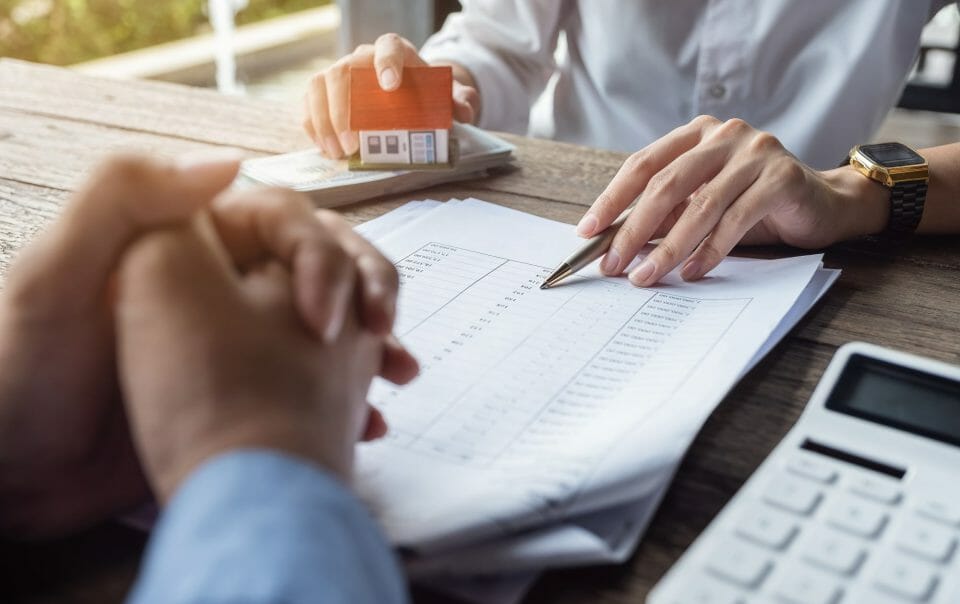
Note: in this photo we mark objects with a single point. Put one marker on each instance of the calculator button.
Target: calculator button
(740, 563)
(906, 578)
(833, 551)
(708, 591)
(857, 516)
(802, 585)
(793, 495)
(878, 490)
(941, 512)
(812, 469)
(767, 527)
(926, 540)
(879, 596)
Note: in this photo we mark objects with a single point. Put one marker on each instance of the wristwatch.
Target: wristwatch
(903, 171)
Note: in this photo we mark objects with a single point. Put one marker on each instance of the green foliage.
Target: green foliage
(62, 32)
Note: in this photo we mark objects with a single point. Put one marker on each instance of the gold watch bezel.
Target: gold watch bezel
(889, 177)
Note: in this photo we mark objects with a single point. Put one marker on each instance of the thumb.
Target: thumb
(177, 303)
(466, 103)
(391, 54)
(174, 283)
(126, 196)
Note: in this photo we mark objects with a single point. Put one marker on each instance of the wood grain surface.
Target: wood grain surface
(54, 124)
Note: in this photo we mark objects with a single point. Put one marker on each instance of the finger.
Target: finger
(325, 281)
(269, 286)
(174, 284)
(746, 212)
(324, 134)
(182, 268)
(466, 103)
(338, 99)
(391, 54)
(398, 366)
(669, 221)
(376, 426)
(665, 191)
(632, 177)
(307, 122)
(703, 210)
(338, 96)
(379, 281)
(279, 224)
(126, 196)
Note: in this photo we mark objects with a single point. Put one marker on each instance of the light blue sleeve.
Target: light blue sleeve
(257, 527)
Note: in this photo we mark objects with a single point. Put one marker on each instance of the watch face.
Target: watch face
(891, 155)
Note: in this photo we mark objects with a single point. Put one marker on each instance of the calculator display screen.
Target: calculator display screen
(900, 397)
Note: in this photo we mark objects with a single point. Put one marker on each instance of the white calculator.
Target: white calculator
(860, 502)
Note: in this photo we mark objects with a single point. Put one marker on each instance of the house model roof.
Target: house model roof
(424, 100)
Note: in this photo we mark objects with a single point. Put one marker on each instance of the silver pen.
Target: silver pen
(595, 247)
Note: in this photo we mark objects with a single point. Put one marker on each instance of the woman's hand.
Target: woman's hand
(327, 101)
(710, 185)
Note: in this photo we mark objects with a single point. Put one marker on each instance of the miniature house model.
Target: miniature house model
(408, 127)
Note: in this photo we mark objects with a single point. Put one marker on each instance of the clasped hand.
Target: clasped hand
(161, 321)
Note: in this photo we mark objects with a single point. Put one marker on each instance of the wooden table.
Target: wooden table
(54, 123)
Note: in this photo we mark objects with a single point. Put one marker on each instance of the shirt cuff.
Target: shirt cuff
(260, 526)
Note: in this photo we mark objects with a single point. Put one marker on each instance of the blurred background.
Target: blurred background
(268, 48)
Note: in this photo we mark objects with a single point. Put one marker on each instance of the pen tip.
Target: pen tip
(561, 273)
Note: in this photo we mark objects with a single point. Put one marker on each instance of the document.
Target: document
(501, 570)
(537, 406)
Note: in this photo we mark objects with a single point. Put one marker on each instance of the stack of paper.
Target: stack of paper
(332, 183)
(546, 425)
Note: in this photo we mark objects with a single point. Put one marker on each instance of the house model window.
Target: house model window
(408, 127)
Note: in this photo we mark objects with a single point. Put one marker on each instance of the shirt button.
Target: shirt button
(718, 91)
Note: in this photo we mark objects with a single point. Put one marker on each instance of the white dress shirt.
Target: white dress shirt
(618, 74)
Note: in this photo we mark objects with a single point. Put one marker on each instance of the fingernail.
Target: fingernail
(321, 144)
(388, 78)
(331, 146)
(335, 324)
(387, 298)
(346, 143)
(376, 286)
(643, 272)
(379, 292)
(462, 95)
(610, 263)
(587, 225)
(691, 270)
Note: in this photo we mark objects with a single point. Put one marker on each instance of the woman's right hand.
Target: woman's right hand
(327, 101)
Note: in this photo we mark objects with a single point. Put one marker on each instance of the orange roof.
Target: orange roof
(424, 100)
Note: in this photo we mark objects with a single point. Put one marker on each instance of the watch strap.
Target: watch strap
(906, 208)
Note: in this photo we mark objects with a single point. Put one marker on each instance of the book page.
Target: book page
(537, 404)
